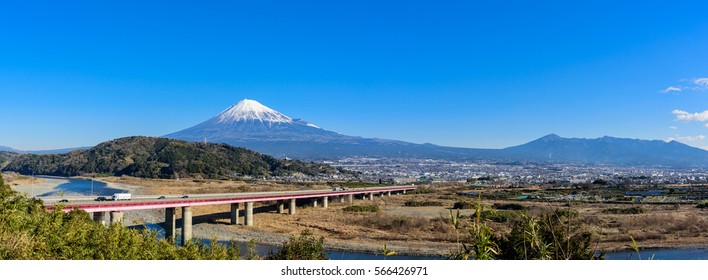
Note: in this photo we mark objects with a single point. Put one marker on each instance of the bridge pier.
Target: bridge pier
(325, 202)
(116, 217)
(170, 223)
(234, 214)
(350, 199)
(281, 207)
(388, 194)
(341, 199)
(249, 214)
(186, 225)
(100, 217)
(293, 205)
(371, 196)
(404, 191)
(314, 202)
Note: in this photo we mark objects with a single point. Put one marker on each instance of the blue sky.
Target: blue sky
(480, 74)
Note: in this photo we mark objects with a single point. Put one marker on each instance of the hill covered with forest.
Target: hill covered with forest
(150, 157)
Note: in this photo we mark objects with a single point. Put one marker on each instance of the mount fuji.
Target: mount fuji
(252, 125)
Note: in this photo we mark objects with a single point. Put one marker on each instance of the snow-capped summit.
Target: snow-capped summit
(251, 110)
(249, 121)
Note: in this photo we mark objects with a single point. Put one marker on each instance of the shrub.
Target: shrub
(624, 211)
(397, 224)
(554, 236)
(422, 203)
(464, 205)
(501, 216)
(362, 208)
(703, 204)
(304, 247)
(509, 206)
(421, 191)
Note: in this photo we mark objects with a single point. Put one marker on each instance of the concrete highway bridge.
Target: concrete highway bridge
(102, 210)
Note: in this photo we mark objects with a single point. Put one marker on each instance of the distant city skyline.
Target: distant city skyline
(478, 75)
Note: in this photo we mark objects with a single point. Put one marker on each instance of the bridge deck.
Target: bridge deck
(152, 202)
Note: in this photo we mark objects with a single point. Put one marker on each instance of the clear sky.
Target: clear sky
(485, 74)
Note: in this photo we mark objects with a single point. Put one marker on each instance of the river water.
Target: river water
(76, 187)
(70, 186)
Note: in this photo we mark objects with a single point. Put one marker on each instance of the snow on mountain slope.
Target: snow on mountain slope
(251, 110)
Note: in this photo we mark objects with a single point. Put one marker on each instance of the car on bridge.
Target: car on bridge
(100, 198)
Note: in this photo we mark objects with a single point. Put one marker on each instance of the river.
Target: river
(76, 187)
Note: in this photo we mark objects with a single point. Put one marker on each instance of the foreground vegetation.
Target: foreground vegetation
(29, 232)
(552, 236)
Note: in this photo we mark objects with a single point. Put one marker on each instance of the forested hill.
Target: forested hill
(6, 157)
(150, 157)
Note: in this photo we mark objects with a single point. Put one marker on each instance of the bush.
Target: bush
(554, 236)
(422, 203)
(304, 247)
(501, 216)
(398, 224)
(509, 206)
(624, 211)
(362, 208)
(703, 204)
(421, 191)
(464, 205)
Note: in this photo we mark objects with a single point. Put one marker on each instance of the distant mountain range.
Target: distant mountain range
(252, 125)
(150, 157)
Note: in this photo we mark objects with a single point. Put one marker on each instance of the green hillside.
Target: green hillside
(150, 157)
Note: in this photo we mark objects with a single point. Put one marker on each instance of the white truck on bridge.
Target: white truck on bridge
(122, 196)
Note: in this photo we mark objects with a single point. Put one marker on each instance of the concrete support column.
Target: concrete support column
(281, 207)
(341, 199)
(388, 194)
(404, 191)
(350, 199)
(116, 217)
(170, 224)
(314, 202)
(186, 225)
(100, 217)
(234, 213)
(325, 202)
(292, 206)
(371, 196)
(249, 214)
